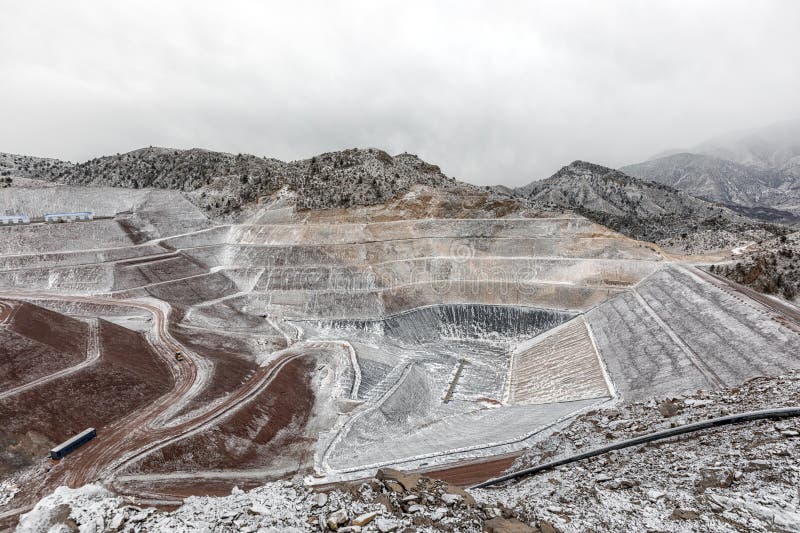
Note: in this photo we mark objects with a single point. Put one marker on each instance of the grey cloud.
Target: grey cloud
(494, 92)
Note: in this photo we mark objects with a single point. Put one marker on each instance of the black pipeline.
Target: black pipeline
(784, 412)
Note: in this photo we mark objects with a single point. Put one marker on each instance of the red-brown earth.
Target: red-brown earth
(232, 364)
(267, 428)
(36, 342)
(128, 376)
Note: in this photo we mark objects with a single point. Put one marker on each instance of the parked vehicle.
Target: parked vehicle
(60, 451)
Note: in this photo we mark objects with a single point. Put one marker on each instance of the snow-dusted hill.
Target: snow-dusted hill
(760, 168)
(641, 209)
(222, 182)
(25, 166)
(722, 180)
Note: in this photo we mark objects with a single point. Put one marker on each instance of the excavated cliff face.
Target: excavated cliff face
(458, 322)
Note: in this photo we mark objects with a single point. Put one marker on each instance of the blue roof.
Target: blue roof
(73, 439)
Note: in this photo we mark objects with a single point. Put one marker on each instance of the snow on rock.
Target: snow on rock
(275, 506)
(734, 478)
(7, 491)
(91, 508)
(396, 502)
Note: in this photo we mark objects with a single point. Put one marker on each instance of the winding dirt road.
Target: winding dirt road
(139, 433)
(114, 436)
(142, 432)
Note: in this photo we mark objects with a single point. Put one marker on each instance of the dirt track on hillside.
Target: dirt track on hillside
(5, 312)
(138, 434)
(786, 313)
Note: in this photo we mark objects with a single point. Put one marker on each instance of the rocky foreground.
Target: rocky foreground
(392, 501)
(735, 478)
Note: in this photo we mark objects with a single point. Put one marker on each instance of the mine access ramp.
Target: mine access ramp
(60, 451)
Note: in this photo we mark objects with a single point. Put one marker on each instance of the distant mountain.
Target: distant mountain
(758, 169)
(641, 209)
(667, 153)
(767, 214)
(223, 182)
(716, 179)
(776, 147)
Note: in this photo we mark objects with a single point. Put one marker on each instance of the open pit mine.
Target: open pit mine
(434, 333)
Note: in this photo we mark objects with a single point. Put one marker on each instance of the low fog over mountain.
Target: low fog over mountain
(758, 168)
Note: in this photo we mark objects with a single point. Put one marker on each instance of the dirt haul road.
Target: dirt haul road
(133, 441)
(787, 314)
(5, 312)
(136, 435)
(184, 376)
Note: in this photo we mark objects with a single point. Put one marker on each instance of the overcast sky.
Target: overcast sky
(493, 92)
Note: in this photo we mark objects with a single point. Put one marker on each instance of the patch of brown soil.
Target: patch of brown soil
(156, 269)
(136, 235)
(468, 474)
(427, 203)
(178, 489)
(196, 290)
(37, 342)
(265, 430)
(49, 327)
(128, 376)
(125, 350)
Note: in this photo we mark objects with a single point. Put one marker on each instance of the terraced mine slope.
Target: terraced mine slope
(438, 327)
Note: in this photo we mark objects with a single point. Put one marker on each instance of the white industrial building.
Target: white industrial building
(14, 220)
(81, 216)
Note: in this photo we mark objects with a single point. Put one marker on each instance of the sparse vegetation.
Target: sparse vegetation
(645, 210)
(225, 182)
(772, 272)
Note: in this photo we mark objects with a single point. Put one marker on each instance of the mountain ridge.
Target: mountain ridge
(222, 182)
(757, 168)
(641, 209)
